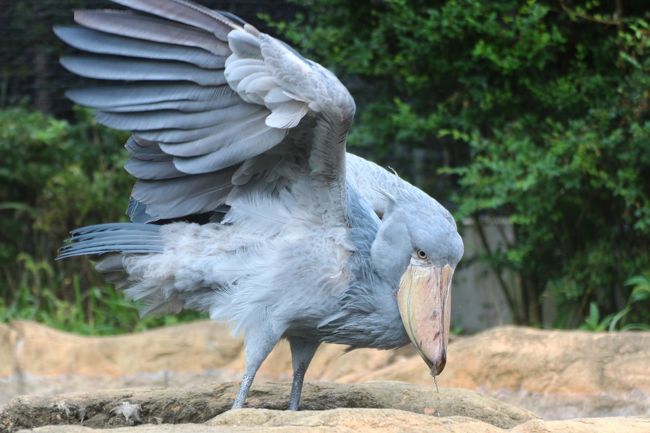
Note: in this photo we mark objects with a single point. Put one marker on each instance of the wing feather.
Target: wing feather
(104, 43)
(210, 101)
(287, 115)
(166, 119)
(234, 153)
(140, 94)
(183, 196)
(185, 12)
(219, 138)
(183, 106)
(145, 150)
(138, 26)
(152, 170)
(117, 68)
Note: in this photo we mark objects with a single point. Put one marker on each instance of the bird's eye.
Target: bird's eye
(422, 255)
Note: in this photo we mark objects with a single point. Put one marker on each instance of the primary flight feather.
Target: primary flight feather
(246, 204)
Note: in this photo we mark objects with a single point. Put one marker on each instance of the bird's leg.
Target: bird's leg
(302, 352)
(258, 346)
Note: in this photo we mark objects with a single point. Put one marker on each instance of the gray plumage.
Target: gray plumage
(297, 239)
(138, 26)
(103, 43)
(133, 70)
(144, 94)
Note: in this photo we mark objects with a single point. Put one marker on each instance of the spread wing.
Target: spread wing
(213, 104)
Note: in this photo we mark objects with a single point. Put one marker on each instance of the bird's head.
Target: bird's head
(418, 244)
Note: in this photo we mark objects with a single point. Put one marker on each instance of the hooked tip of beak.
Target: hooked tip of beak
(436, 366)
(439, 365)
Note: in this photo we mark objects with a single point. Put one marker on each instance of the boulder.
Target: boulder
(37, 359)
(362, 421)
(111, 408)
(558, 374)
(586, 425)
(38, 350)
(348, 420)
(539, 361)
(371, 420)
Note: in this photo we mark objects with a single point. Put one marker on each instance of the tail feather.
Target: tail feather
(128, 238)
(133, 257)
(124, 227)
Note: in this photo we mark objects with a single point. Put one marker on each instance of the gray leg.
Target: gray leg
(301, 354)
(258, 346)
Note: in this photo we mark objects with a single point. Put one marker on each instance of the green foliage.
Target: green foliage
(87, 311)
(540, 112)
(55, 176)
(640, 288)
(639, 299)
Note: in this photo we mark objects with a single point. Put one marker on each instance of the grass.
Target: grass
(37, 296)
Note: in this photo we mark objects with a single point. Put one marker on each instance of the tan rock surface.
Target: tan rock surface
(559, 374)
(389, 420)
(112, 408)
(562, 362)
(349, 420)
(7, 347)
(193, 347)
(330, 421)
(42, 360)
(362, 420)
(586, 425)
(540, 361)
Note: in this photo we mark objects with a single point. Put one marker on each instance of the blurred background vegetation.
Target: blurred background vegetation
(537, 111)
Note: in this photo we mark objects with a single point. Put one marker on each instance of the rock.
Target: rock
(197, 347)
(558, 374)
(540, 361)
(39, 350)
(362, 421)
(561, 362)
(333, 364)
(348, 420)
(198, 404)
(586, 425)
(7, 348)
(38, 359)
(558, 362)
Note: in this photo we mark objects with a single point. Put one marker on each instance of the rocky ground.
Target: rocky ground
(506, 379)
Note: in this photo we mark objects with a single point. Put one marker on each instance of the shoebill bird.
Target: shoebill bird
(246, 204)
